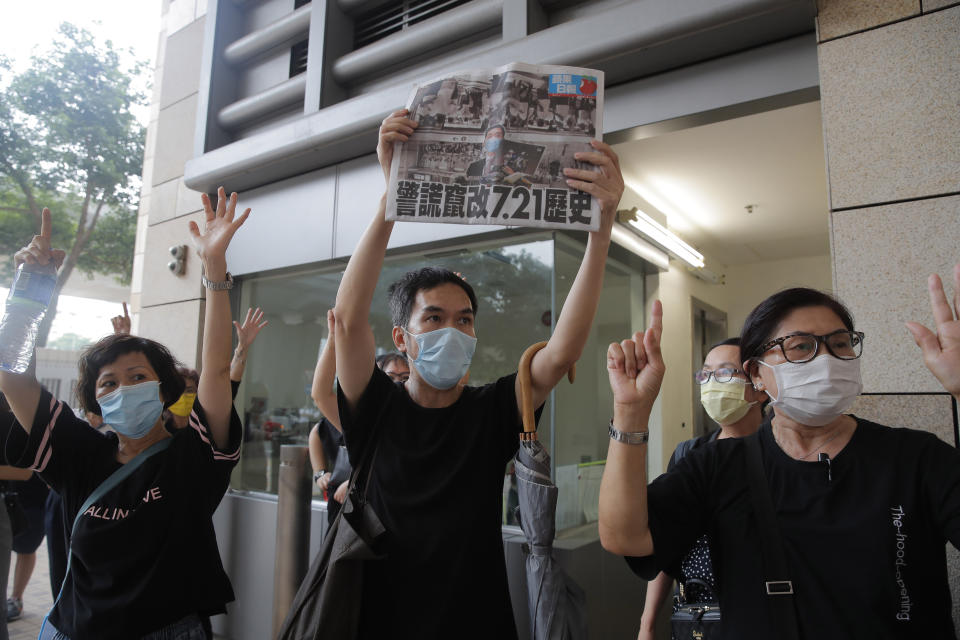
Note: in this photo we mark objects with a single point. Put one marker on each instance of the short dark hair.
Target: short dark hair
(729, 342)
(190, 374)
(403, 292)
(108, 349)
(767, 316)
(385, 359)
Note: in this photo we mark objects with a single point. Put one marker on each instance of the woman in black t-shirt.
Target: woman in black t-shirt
(730, 401)
(863, 510)
(144, 557)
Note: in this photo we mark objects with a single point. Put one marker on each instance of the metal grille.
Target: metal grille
(397, 16)
(298, 58)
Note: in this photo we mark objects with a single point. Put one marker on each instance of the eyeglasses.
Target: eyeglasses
(803, 347)
(725, 374)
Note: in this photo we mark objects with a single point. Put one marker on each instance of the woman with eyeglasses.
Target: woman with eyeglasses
(731, 401)
(862, 511)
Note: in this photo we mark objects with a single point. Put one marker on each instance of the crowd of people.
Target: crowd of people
(861, 511)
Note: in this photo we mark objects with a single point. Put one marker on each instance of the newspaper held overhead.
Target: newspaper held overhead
(492, 145)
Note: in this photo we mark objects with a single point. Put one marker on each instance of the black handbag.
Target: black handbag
(695, 620)
(327, 604)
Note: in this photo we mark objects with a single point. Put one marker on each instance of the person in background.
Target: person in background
(179, 411)
(732, 402)
(863, 511)
(328, 456)
(247, 332)
(177, 415)
(32, 492)
(145, 562)
(7, 473)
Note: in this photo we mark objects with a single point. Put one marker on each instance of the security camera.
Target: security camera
(178, 265)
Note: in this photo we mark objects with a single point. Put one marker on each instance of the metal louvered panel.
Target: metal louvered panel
(383, 21)
(298, 58)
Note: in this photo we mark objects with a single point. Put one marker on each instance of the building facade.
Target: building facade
(280, 100)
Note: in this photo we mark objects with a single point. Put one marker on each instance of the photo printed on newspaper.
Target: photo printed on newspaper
(492, 145)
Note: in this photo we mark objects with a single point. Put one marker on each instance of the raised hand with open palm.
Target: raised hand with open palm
(941, 350)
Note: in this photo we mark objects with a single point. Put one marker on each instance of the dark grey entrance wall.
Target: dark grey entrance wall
(332, 206)
(628, 41)
(246, 530)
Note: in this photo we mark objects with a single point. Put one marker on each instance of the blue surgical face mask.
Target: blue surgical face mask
(492, 144)
(443, 356)
(132, 410)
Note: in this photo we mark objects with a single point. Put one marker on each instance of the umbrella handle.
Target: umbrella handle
(526, 388)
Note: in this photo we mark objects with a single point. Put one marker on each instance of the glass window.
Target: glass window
(516, 285)
(582, 409)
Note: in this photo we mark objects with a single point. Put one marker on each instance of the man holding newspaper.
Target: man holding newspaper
(441, 446)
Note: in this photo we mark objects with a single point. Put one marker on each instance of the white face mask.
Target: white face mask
(815, 393)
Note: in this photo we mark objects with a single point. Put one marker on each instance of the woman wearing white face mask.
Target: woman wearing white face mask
(731, 401)
(859, 512)
(144, 561)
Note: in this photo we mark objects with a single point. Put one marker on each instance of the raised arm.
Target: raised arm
(122, 324)
(573, 326)
(941, 350)
(214, 388)
(22, 389)
(636, 369)
(322, 389)
(318, 458)
(355, 342)
(246, 334)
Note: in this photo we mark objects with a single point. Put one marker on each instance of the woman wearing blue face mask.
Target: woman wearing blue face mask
(144, 561)
(859, 513)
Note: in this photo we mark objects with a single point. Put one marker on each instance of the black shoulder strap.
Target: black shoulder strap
(777, 584)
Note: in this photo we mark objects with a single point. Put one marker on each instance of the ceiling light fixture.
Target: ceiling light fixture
(652, 229)
(635, 244)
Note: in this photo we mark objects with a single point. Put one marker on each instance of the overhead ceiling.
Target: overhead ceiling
(703, 178)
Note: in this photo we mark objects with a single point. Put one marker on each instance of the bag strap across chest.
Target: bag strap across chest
(777, 583)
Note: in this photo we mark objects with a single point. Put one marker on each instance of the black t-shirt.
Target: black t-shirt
(144, 555)
(437, 486)
(332, 440)
(865, 550)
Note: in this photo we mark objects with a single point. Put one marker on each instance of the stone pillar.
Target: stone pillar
(890, 81)
(169, 308)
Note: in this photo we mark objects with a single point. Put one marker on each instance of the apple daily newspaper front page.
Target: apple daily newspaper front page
(492, 145)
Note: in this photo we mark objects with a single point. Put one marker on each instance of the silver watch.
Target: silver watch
(217, 286)
(628, 437)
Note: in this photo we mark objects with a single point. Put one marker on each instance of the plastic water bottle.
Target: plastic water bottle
(27, 303)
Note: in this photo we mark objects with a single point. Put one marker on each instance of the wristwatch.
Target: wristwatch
(217, 286)
(628, 437)
(318, 475)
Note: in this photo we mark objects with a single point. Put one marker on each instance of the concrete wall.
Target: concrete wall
(165, 306)
(890, 77)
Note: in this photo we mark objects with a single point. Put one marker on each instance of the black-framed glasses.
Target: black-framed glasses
(803, 347)
(724, 374)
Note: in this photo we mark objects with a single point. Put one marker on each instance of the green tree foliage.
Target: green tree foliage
(69, 141)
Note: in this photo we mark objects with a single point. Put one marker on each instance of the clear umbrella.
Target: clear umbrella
(557, 604)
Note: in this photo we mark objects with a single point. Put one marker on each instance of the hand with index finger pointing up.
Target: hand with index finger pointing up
(39, 250)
